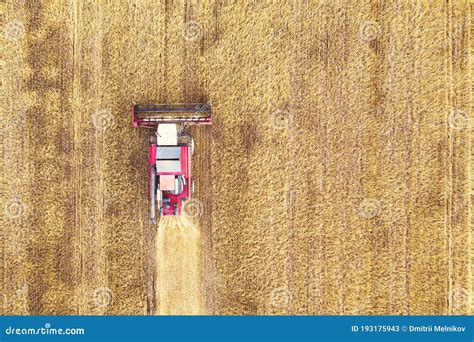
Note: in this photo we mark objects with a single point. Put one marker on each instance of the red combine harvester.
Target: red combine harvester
(171, 148)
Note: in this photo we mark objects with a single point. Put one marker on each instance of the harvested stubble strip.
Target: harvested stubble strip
(178, 284)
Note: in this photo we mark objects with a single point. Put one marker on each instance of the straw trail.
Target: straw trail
(178, 282)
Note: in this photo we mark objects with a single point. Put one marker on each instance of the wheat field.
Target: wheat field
(336, 177)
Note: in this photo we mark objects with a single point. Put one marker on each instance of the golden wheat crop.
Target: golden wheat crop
(335, 179)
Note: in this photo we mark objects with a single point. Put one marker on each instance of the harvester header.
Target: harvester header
(179, 113)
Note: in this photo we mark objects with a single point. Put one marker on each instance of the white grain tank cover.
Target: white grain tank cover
(167, 135)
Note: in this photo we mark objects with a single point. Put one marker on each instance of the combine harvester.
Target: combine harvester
(171, 148)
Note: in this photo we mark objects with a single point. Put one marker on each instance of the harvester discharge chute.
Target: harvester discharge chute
(171, 148)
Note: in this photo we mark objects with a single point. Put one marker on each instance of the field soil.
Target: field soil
(336, 177)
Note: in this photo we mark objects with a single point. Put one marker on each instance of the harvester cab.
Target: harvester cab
(171, 148)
